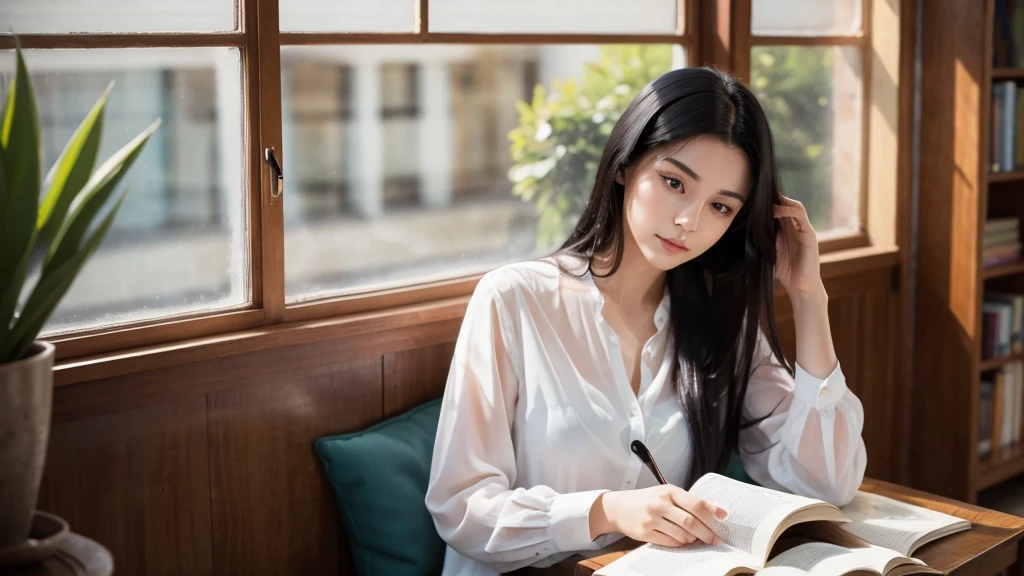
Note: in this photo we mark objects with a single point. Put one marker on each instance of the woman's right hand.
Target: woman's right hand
(666, 515)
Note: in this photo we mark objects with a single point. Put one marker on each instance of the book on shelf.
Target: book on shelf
(985, 419)
(1006, 149)
(1000, 405)
(1001, 401)
(1002, 324)
(773, 532)
(1008, 34)
(1000, 241)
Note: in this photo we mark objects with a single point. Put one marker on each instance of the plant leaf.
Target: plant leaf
(19, 197)
(91, 200)
(9, 291)
(51, 288)
(72, 170)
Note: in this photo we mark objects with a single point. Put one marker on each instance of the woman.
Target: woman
(653, 322)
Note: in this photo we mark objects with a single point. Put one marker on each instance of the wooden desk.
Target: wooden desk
(991, 545)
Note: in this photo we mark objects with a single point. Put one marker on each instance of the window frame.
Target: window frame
(713, 32)
(746, 41)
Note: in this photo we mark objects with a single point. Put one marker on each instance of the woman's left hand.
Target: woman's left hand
(798, 266)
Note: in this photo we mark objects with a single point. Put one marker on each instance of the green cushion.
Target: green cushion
(735, 470)
(379, 477)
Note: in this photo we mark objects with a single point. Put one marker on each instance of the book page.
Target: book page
(893, 524)
(781, 571)
(691, 560)
(754, 512)
(824, 559)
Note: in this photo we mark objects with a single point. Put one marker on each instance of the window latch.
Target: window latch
(277, 174)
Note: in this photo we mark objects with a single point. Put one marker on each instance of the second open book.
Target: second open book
(778, 534)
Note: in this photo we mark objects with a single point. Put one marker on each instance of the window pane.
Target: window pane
(812, 96)
(805, 17)
(399, 157)
(545, 16)
(46, 16)
(347, 16)
(179, 244)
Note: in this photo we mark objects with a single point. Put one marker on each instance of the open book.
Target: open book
(897, 525)
(780, 534)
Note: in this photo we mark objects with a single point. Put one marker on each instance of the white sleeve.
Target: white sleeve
(810, 442)
(470, 495)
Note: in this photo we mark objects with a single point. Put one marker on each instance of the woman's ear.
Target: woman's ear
(619, 178)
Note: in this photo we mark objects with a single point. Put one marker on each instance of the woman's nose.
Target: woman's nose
(688, 218)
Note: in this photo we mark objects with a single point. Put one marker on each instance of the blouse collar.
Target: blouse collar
(660, 314)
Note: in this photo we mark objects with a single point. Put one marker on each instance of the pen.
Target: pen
(640, 450)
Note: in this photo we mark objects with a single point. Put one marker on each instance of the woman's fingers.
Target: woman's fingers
(675, 533)
(698, 517)
(797, 212)
(692, 525)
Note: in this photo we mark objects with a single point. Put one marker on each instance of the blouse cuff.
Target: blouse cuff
(819, 393)
(570, 519)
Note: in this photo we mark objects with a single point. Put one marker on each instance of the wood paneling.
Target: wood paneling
(272, 508)
(412, 377)
(138, 482)
(864, 324)
(128, 390)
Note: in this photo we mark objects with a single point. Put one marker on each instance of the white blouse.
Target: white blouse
(538, 415)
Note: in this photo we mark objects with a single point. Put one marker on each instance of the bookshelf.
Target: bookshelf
(1008, 73)
(999, 177)
(958, 193)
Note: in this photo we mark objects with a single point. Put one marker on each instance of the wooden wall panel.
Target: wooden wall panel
(412, 377)
(272, 508)
(865, 333)
(141, 388)
(137, 481)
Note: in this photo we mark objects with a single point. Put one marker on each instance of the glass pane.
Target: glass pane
(348, 16)
(813, 99)
(47, 16)
(547, 16)
(179, 244)
(805, 17)
(400, 162)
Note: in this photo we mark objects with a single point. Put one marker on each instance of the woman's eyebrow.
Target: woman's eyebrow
(694, 175)
(681, 166)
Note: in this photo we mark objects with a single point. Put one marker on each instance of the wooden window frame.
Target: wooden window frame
(708, 33)
(878, 40)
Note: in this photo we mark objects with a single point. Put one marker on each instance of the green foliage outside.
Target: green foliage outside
(794, 85)
(556, 148)
(557, 145)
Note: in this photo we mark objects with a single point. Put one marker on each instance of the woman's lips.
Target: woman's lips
(672, 247)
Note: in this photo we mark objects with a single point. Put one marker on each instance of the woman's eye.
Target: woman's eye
(721, 208)
(673, 183)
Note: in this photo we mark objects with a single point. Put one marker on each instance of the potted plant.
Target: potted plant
(56, 232)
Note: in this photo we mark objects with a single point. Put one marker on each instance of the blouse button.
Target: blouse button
(823, 391)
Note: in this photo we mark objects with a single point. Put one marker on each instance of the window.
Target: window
(179, 245)
(414, 183)
(415, 146)
(806, 67)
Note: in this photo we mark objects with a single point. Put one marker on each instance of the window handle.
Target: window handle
(277, 184)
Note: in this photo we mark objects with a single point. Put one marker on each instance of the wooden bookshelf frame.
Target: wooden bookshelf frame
(958, 194)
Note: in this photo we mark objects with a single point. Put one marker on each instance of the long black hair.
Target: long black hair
(720, 299)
